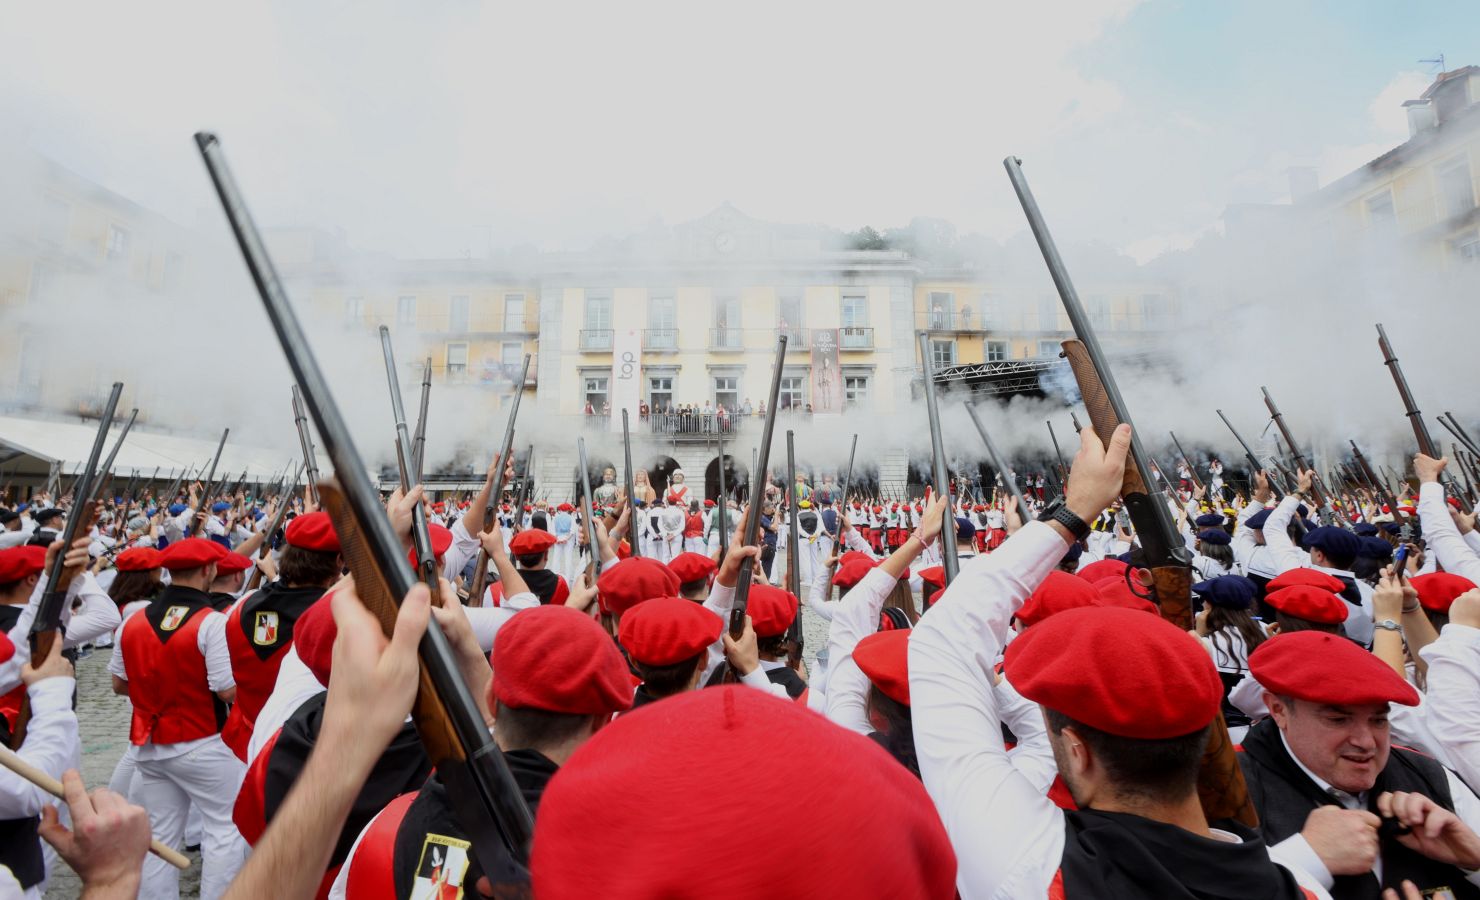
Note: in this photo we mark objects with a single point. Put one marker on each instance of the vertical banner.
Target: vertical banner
(626, 389)
(827, 376)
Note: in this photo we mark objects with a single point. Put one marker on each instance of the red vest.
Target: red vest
(372, 872)
(167, 677)
(254, 675)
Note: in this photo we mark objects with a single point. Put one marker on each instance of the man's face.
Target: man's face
(1345, 745)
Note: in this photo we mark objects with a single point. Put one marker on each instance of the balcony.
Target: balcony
(856, 338)
(726, 339)
(596, 339)
(798, 340)
(949, 320)
(660, 339)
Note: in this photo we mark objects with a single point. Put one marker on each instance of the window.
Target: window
(117, 243)
(354, 310)
(727, 391)
(660, 392)
(596, 391)
(1049, 349)
(457, 360)
(598, 312)
(1380, 212)
(789, 314)
(1048, 312)
(1098, 307)
(1456, 192)
(942, 353)
(991, 310)
(406, 310)
(791, 396)
(855, 310)
(1156, 310)
(511, 357)
(514, 312)
(941, 306)
(855, 391)
(996, 351)
(662, 322)
(727, 312)
(457, 317)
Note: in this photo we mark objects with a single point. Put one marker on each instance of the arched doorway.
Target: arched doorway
(736, 478)
(658, 469)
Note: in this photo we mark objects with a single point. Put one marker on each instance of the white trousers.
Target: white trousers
(694, 545)
(210, 777)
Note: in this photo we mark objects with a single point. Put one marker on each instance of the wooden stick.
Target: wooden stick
(10, 760)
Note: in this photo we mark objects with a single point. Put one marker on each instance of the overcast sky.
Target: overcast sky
(442, 128)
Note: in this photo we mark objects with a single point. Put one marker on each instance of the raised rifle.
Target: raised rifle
(1221, 785)
(1074, 418)
(847, 487)
(1302, 464)
(421, 539)
(1255, 466)
(1384, 492)
(419, 437)
(722, 506)
(588, 514)
(751, 535)
(1187, 460)
(208, 484)
(793, 553)
(526, 484)
(1058, 455)
(1000, 464)
(1426, 444)
(480, 567)
(941, 475)
(485, 798)
(46, 627)
(305, 442)
(285, 502)
(627, 479)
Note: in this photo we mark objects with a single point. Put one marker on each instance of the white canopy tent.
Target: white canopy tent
(29, 448)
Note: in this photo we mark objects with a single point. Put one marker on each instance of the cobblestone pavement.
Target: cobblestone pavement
(104, 719)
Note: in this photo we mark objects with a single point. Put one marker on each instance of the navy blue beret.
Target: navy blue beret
(1365, 529)
(1258, 519)
(1334, 541)
(965, 531)
(1214, 536)
(1208, 520)
(1375, 548)
(1392, 527)
(1227, 591)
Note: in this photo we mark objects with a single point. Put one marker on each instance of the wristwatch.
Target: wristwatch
(1389, 624)
(1058, 512)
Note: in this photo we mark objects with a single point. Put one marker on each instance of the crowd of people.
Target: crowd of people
(1044, 723)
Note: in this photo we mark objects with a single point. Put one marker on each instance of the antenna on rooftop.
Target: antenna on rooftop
(1437, 61)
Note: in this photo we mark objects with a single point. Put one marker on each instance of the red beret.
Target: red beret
(692, 567)
(935, 576)
(559, 660)
(632, 581)
(1058, 592)
(1114, 591)
(1102, 568)
(19, 562)
(852, 555)
(1326, 668)
(771, 609)
(191, 553)
(441, 540)
(884, 656)
(531, 541)
(565, 507)
(1158, 684)
(852, 572)
(1437, 591)
(708, 503)
(1308, 577)
(313, 637)
(1309, 603)
(312, 531)
(137, 559)
(664, 631)
(232, 563)
(7, 648)
(885, 838)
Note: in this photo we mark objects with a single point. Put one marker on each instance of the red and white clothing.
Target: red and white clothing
(51, 745)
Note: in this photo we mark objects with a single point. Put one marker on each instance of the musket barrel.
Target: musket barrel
(942, 477)
(752, 531)
(1000, 464)
(627, 482)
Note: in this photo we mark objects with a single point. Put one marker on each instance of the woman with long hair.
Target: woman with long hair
(1227, 627)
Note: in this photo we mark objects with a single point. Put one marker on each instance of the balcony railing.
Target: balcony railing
(660, 339)
(797, 339)
(950, 320)
(856, 338)
(596, 339)
(726, 339)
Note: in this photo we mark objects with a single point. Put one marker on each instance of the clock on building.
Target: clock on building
(724, 242)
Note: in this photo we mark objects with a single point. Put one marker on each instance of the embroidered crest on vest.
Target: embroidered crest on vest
(265, 629)
(439, 873)
(173, 617)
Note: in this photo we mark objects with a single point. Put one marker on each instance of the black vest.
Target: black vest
(1284, 796)
(20, 847)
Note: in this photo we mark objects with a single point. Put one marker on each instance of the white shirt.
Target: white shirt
(1445, 543)
(1008, 836)
(210, 640)
(295, 684)
(1287, 556)
(1454, 695)
(96, 616)
(51, 745)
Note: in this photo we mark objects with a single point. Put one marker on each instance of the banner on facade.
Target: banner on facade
(827, 377)
(626, 390)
